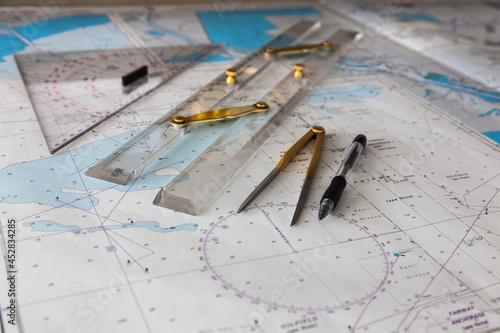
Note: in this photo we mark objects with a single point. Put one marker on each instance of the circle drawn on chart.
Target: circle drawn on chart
(317, 267)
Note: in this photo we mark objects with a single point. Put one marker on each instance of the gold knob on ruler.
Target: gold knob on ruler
(299, 70)
(231, 75)
(178, 121)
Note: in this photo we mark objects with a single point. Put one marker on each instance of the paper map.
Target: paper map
(412, 247)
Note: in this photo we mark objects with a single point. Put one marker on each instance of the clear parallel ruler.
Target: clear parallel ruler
(73, 92)
(202, 180)
(127, 162)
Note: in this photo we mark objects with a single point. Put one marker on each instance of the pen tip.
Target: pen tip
(242, 207)
(325, 208)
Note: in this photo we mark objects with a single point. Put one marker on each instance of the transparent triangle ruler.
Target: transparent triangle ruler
(200, 182)
(73, 92)
(127, 162)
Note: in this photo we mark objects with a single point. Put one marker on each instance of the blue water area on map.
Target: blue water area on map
(216, 57)
(492, 112)
(52, 226)
(430, 94)
(353, 93)
(418, 17)
(223, 147)
(45, 226)
(495, 136)
(10, 43)
(245, 28)
(55, 181)
(182, 177)
(333, 110)
(356, 63)
(450, 83)
(435, 79)
(111, 248)
(153, 226)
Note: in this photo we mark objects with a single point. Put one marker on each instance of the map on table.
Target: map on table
(413, 245)
(464, 37)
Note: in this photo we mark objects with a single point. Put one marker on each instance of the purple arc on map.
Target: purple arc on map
(259, 257)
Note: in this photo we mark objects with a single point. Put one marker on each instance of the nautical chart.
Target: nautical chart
(464, 37)
(413, 246)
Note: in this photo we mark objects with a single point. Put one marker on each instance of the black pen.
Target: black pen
(333, 193)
